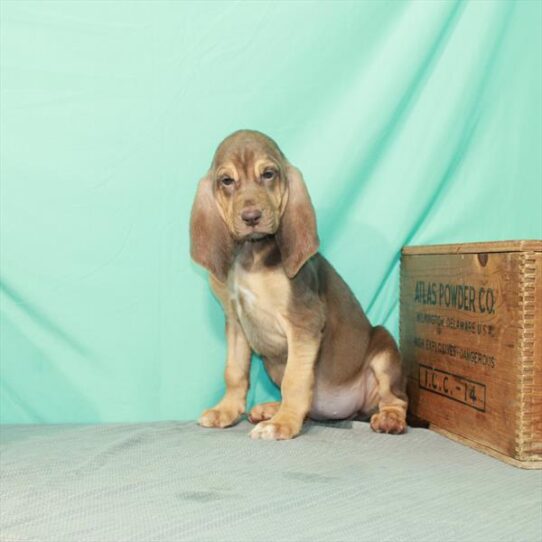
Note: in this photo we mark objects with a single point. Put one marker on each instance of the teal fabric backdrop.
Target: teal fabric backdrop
(413, 122)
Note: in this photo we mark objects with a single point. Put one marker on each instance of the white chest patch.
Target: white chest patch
(242, 294)
(259, 298)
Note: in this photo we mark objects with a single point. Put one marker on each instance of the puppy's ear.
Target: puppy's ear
(297, 237)
(211, 244)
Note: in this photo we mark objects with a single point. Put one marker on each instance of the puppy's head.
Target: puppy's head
(251, 192)
(249, 177)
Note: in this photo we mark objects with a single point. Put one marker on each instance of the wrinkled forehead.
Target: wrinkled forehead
(247, 156)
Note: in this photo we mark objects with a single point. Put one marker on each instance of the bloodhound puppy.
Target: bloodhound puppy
(253, 228)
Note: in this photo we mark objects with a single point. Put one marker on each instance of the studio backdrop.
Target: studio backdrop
(413, 123)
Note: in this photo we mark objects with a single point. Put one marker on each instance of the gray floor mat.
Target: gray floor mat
(176, 481)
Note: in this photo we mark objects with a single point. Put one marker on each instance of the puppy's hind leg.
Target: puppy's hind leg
(385, 362)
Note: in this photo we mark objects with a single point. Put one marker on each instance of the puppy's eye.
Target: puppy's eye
(268, 174)
(227, 181)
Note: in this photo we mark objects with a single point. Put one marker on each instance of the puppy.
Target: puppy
(253, 227)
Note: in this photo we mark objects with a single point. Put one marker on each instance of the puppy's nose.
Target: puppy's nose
(251, 216)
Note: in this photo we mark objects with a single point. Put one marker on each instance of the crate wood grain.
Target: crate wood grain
(471, 340)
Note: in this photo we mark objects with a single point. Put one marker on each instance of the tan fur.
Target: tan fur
(285, 302)
(263, 411)
(228, 411)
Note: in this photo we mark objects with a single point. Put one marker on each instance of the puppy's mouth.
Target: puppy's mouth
(257, 236)
(256, 232)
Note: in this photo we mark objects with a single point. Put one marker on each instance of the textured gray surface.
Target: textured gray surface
(177, 481)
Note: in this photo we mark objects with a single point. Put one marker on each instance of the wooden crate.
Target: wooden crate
(471, 340)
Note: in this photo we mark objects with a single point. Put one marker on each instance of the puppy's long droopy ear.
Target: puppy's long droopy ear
(211, 245)
(297, 236)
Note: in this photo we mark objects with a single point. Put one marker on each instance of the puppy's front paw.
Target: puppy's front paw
(275, 430)
(264, 411)
(389, 421)
(218, 417)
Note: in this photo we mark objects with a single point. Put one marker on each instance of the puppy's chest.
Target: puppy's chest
(259, 299)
